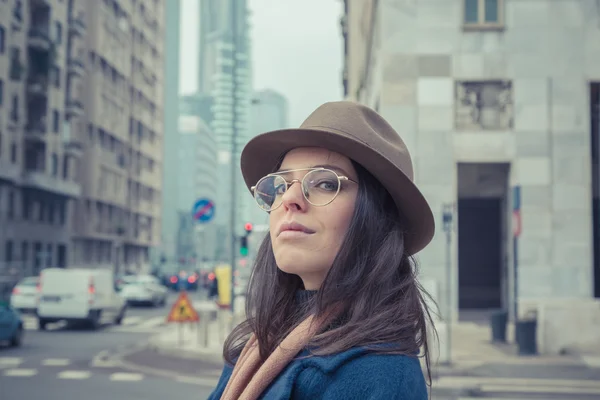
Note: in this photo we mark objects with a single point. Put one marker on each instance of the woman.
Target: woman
(334, 310)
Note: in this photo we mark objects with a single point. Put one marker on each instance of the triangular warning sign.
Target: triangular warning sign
(183, 311)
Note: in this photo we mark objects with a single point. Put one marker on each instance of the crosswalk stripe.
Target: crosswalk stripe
(56, 362)
(74, 375)
(20, 372)
(10, 361)
(126, 376)
(133, 323)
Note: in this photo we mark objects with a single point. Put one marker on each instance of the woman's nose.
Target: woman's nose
(293, 197)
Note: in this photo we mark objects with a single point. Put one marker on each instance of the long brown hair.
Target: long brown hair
(371, 275)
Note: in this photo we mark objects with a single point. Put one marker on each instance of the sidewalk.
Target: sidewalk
(203, 340)
(477, 366)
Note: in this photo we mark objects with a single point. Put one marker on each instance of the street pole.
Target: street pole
(447, 212)
(234, 136)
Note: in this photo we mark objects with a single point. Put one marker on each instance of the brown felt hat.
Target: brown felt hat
(362, 135)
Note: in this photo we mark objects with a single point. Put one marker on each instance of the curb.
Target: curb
(208, 355)
(118, 360)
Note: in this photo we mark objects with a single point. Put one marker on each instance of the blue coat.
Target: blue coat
(353, 374)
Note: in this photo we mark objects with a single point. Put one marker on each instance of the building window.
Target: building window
(11, 205)
(54, 165)
(483, 13)
(14, 112)
(484, 105)
(13, 153)
(57, 32)
(8, 251)
(2, 39)
(55, 121)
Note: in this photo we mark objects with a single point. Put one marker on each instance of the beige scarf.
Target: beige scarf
(250, 378)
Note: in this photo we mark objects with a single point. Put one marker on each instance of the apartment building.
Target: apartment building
(80, 132)
(38, 162)
(499, 104)
(117, 217)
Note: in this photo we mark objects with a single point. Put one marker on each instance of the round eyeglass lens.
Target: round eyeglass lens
(320, 186)
(269, 190)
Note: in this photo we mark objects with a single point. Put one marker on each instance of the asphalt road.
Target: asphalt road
(67, 362)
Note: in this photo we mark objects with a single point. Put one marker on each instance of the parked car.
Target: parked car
(79, 295)
(144, 289)
(25, 294)
(11, 325)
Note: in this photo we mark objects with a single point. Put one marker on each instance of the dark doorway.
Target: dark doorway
(595, 148)
(62, 256)
(480, 253)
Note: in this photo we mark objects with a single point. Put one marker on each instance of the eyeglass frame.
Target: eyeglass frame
(301, 182)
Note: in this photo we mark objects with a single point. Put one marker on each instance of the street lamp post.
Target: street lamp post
(234, 137)
(447, 212)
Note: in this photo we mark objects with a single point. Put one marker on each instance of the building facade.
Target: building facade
(167, 249)
(225, 74)
(39, 152)
(498, 104)
(117, 218)
(80, 132)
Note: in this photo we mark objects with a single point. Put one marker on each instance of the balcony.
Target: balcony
(74, 108)
(39, 38)
(73, 148)
(77, 25)
(76, 66)
(37, 86)
(36, 132)
(36, 179)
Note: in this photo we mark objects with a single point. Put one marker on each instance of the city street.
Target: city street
(68, 363)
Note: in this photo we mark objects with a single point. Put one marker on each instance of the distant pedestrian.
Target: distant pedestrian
(335, 309)
(213, 290)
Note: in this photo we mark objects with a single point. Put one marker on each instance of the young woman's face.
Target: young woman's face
(310, 251)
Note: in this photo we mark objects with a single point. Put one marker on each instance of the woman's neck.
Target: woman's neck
(303, 296)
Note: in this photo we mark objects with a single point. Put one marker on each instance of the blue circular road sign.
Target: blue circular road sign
(203, 210)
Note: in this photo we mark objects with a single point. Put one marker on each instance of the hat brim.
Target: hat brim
(262, 154)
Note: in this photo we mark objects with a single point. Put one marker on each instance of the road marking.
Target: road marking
(10, 361)
(131, 320)
(592, 361)
(20, 372)
(197, 381)
(155, 321)
(546, 389)
(56, 362)
(460, 381)
(147, 325)
(74, 375)
(126, 376)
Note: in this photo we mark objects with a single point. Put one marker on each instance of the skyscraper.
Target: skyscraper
(225, 75)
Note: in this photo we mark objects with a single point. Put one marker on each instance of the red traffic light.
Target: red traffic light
(248, 227)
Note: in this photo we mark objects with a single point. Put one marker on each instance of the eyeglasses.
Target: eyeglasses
(320, 186)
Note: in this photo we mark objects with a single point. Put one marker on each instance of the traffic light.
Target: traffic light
(244, 245)
(248, 228)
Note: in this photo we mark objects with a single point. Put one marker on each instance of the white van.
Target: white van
(79, 295)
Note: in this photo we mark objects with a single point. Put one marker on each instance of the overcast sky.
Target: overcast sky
(296, 49)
